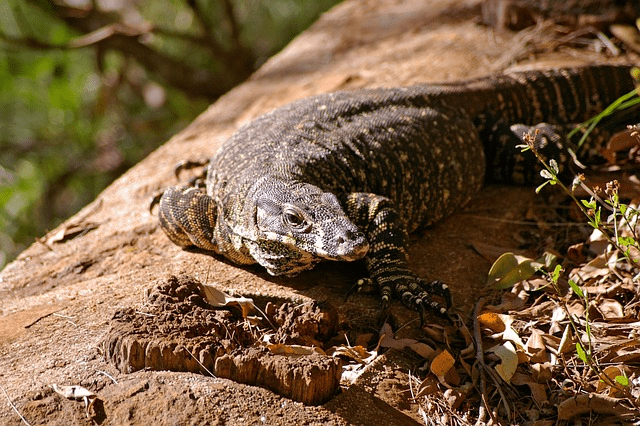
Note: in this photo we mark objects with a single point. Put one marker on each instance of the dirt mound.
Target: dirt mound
(180, 331)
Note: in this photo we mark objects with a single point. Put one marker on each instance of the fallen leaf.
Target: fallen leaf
(453, 398)
(513, 300)
(507, 354)
(387, 341)
(282, 349)
(428, 386)
(567, 342)
(70, 232)
(538, 390)
(541, 372)
(535, 347)
(492, 321)
(610, 309)
(510, 269)
(500, 324)
(442, 363)
(73, 392)
(78, 393)
(611, 372)
(357, 353)
(592, 403)
(218, 299)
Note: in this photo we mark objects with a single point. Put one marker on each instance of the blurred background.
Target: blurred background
(89, 87)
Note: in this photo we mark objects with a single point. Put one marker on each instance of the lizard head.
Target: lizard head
(296, 225)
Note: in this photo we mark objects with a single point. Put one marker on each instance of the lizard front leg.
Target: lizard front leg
(187, 215)
(387, 259)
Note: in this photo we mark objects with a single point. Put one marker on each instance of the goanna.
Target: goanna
(347, 175)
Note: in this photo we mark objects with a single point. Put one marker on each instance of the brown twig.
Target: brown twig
(113, 35)
(14, 407)
(477, 337)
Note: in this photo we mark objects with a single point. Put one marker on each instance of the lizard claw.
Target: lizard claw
(188, 165)
(418, 295)
(415, 293)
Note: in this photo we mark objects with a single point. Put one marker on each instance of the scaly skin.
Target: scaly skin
(347, 175)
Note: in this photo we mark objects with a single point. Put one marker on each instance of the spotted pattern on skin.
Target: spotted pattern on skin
(347, 175)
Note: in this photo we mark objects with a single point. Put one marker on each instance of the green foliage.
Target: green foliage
(510, 269)
(625, 101)
(619, 229)
(73, 119)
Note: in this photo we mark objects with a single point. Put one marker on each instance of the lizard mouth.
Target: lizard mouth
(344, 248)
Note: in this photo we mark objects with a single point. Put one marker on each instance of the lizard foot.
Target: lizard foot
(198, 180)
(415, 293)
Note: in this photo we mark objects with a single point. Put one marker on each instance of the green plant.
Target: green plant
(620, 230)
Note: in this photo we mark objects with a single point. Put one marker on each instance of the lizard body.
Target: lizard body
(347, 175)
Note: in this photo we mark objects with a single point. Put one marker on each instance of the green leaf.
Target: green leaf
(555, 275)
(510, 269)
(577, 290)
(627, 241)
(581, 353)
(541, 186)
(622, 380)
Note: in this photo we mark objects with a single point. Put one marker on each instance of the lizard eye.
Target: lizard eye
(294, 220)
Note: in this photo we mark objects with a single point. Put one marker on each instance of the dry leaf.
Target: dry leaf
(454, 398)
(597, 268)
(627, 356)
(610, 372)
(218, 299)
(610, 309)
(598, 404)
(513, 300)
(442, 363)
(566, 342)
(541, 373)
(70, 232)
(282, 349)
(434, 331)
(507, 354)
(73, 392)
(538, 390)
(500, 323)
(387, 341)
(357, 353)
(557, 316)
(77, 392)
(428, 386)
(492, 321)
(535, 347)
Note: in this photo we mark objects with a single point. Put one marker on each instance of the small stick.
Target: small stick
(477, 336)
(201, 365)
(109, 376)
(14, 407)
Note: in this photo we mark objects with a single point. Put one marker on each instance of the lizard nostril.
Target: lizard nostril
(339, 240)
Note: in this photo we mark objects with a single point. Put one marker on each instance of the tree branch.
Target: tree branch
(99, 29)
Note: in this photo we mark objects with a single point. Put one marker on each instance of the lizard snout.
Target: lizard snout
(349, 245)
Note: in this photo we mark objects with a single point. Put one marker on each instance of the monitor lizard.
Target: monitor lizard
(347, 175)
